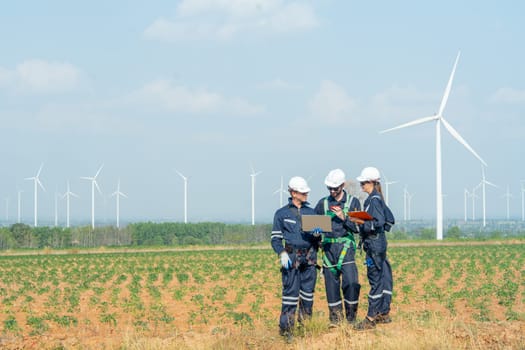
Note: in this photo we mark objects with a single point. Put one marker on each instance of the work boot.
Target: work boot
(365, 324)
(383, 318)
(351, 312)
(336, 316)
(286, 334)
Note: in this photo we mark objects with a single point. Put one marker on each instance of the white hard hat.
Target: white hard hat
(369, 174)
(335, 178)
(298, 184)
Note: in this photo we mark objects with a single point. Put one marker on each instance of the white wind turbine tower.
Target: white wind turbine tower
(508, 195)
(68, 195)
(117, 193)
(19, 205)
(522, 183)
(387, 185)
(185, 179)
(466, 194)
(280, 191)
(253, 175)
(440, 120)
(409, 205)
(474, 196)
(93, 185)
(482, 184)
(56, 208)
(36, 181)
(405, 201)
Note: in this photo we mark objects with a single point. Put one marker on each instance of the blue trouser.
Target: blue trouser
(346, 279)
(379, 274)
(298, 290)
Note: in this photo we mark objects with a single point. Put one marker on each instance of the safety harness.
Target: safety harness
(347, 240)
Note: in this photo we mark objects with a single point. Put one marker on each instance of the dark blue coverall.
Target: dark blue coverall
(379, 272)
(345, 279)
(299, 280)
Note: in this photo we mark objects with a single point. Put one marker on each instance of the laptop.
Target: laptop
(312, 221)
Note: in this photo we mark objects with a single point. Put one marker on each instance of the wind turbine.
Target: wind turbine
(93, 185)
(185, 179)
(482, 184)
(56, 208)
(522, 183)
(440, 120)
(473, 195)
(36, 181)
(19, 205)
(68, 195)
(253, 175)
(280, 191)
(117, 193)
(465, 196)
(387, 184)
(405, 201)
(508, 195)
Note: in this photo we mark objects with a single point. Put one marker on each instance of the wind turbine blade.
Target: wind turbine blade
(74, 194)
(491, 184)
(96, 185)
(99, 169)
(460, 139)
(87, 178)
(447, 90)
(414, 122)
(40, 184)
(39, 170)
(182, 176)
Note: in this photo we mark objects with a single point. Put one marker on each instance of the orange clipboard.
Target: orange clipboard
(363, 215)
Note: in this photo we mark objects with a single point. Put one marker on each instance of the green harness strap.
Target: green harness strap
(346, 240)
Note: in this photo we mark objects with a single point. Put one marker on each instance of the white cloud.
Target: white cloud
(162, 93)
(41, 77)
(509, 96)
(225, 19)
(279, 84)
(332, 104)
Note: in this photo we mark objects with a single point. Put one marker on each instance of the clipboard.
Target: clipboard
(363, 215)
(312, 221)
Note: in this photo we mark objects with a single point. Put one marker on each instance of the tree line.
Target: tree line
(22, 236)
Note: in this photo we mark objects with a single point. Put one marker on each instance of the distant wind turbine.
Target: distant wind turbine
(19, 205)
(482, 184)
(474, 196)
(36, 181)
(67, 196)
(440, 120)
(465, 199)
(185, 179)
(118, 194)
(253, 175)
(93, 185)
(56, 208)
(280, 191)
(508, 195)
(522, 183)
(387, 185)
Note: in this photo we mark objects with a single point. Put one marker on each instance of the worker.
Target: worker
(297, 251)
(338, 249)
(372, 233)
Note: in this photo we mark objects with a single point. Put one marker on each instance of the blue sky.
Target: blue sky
(213, 88)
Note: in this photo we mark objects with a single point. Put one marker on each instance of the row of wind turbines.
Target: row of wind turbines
(68, 194)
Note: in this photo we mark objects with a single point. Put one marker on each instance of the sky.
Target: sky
(220, 89)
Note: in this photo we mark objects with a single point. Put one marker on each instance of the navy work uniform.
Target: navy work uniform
(299, 280)
(379, 272)
(339, 268)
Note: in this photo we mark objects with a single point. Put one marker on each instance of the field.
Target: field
(468, 296)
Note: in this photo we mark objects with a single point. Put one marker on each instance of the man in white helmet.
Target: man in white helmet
(339, 267)
(297, 251)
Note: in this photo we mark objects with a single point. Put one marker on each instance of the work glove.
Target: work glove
(316, 232)
(285, 261)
